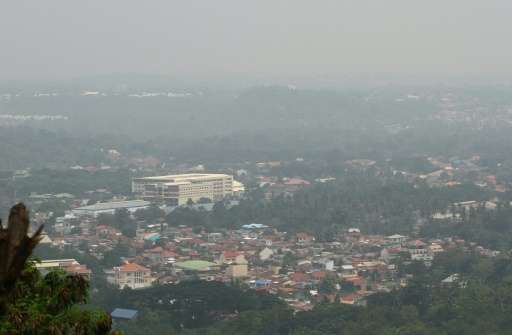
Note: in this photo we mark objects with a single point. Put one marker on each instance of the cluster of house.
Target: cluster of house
(447, 172)
(285, 186)
(455, 171)
(295, 266)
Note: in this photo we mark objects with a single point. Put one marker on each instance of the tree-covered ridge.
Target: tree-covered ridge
(75, 182)
(376, 205)
(264, 123)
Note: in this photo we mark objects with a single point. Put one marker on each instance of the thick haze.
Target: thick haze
(61, 38)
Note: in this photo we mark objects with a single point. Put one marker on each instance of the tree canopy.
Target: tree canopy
(31, 303)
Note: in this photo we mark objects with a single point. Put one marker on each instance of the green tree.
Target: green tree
(150, 214)
(328, 285)
(121, 220)
(289, 260)
(33, 304)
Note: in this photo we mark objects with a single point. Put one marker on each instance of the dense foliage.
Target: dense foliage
(75, 182)
(32, 303)
(51, 304)
(186, 305)
(491, 228)
(373, 204)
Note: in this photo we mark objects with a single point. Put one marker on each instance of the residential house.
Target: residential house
(265, 254)
(396, 239)
(228, 257)
(238, 268)
(304, 238)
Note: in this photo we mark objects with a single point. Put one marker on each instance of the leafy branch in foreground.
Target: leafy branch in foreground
(33, 304)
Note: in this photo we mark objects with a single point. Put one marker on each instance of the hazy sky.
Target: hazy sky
(66, 38)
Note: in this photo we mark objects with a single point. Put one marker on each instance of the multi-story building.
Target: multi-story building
(131, 275)
(177, 190)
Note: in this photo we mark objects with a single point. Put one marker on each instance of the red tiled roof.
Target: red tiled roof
(130, 267)
(319, 274)
(296, 181)
(349, 297)
(299, 277)
(417, 243)
(78, 269)
(356, 281)
(230, 254)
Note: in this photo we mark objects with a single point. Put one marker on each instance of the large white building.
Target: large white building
(110, 207)
(177, 190)
(131, 275)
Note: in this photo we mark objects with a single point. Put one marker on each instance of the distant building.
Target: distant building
(65, 224)
(355, 298)
(177, 190)
(265, 254)
(296, 182)
(396, 239)
(238, 188)
(237, 264)
(228, 257)
(196, 269)
(124, 314)
(261, 284)
(238, 268)
(196, 265)
(70, 266)
(418, 251)
(131, 275)
(110, 207)
(254, 226)
(304, 238)
(454, 280)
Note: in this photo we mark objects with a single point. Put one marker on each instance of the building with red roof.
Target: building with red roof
(132, 275)
(228, 257)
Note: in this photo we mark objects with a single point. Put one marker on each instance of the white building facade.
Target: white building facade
(177, 190)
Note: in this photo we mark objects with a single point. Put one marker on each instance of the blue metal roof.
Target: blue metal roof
(122, 313)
